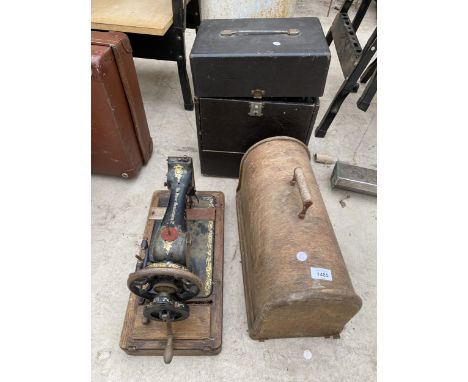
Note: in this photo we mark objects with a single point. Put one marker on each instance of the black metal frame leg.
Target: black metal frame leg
(360, 13)
(348, 85)
(368, 93)
(368, 72)
(185, 84)
(344, 9)
(180, 19)
(193, 14)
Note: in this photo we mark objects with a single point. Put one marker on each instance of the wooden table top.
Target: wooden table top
(153, 17)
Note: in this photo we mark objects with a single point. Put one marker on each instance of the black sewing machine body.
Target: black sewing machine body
(171, 242)
(177, 265)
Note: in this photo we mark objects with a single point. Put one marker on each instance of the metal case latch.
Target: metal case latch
(258, 93)
(256, 109)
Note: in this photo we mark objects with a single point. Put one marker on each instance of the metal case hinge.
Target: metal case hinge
(258, 93)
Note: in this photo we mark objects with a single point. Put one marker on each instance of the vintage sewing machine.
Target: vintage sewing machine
(176, 305)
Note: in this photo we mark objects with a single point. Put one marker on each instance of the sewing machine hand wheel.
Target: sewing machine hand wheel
(144, 281)
(165, 308)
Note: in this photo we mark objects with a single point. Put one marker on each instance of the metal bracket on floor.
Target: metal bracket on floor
(354, 178)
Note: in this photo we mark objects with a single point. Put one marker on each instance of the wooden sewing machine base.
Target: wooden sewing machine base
(201, 332)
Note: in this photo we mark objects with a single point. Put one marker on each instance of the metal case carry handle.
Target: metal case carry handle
(231, 32)
(306, 197)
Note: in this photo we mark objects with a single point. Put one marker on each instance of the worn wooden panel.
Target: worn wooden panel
(157, 213)
(153, 17)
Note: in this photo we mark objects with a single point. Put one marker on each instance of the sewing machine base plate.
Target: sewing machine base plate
(201, 332)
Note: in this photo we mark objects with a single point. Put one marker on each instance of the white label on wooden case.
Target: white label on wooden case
(321, 274)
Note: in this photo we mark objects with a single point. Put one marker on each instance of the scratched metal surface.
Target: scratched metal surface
(200, 259)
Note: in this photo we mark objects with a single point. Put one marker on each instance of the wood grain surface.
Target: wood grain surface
(196, 326)
(282, 297)
(153, 17)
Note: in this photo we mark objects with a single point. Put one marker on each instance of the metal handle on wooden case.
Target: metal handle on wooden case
(299, 179)
(231, 32)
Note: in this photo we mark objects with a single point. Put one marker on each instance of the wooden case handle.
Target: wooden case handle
(299, 179)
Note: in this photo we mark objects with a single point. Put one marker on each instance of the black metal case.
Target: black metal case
(260, 57)
(228, 127)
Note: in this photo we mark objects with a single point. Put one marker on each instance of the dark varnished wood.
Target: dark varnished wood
(201, 333)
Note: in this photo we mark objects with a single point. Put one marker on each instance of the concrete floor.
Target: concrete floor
(119, 209)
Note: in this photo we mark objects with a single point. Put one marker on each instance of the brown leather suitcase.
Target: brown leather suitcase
(120, 138)
(295, 279)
